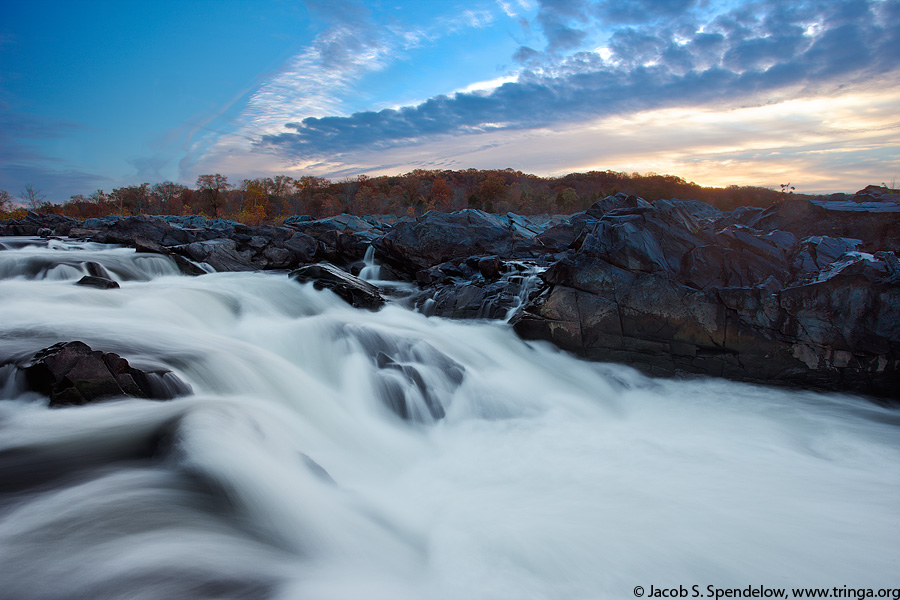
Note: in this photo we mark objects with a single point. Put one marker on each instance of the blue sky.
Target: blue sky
(95, 95)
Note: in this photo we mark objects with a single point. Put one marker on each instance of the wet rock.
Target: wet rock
(489, 267)
(101, 283)
(476, 288)
(186, 266)
(143, 245)
(351, 289)
(72, 373)
(221, 254)
(413, 379)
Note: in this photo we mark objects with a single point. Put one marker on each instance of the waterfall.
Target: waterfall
(328, 452)
(371, 270)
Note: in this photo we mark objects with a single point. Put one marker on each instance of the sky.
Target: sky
(100, 94)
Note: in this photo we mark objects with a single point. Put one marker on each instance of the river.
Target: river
(519, 471)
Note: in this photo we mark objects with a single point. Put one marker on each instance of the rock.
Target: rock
(186, 266)
(818, 252)
(461, 290)
(342, 239)
(72, 373)
(302, 247)
(619, 201)
(489, 267)
(412, 378)
(82, 233)
(102, 283)
(557, 238)
(150, 232)
(221, 254)
(838, 331)
(143, 245)
(48, 225)
(352, 290)
(435, 238)
(877, 224)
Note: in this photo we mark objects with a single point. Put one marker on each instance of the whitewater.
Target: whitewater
(519, 472)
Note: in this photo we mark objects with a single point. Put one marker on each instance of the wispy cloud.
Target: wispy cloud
(318, 82)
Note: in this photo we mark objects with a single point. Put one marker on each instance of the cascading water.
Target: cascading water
(371, 270)
(330, 453)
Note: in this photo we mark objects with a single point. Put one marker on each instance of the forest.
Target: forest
(271, 199)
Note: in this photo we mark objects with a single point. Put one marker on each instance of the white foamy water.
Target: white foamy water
(520, 472)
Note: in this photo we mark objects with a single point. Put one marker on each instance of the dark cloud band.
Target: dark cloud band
(757, 48)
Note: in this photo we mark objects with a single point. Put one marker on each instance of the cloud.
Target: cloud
(642, 11)
(750, 55)
(317, 82)
(822, 145)
(556, 19)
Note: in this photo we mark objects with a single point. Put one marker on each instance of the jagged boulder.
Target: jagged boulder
(661, 289)
(435, 238)
(341, 239)
(73, 373)
(351, 289)
(873, 220)
(475, 288)
(221, 254)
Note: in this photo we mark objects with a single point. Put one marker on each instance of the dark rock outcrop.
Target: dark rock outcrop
(666, 289)
(73, 373)
(476, 288)
(342, 239)
(873, 220)
(435, 238)
(352, 290)
(221, 254)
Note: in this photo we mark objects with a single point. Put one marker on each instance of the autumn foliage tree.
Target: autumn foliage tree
(441, 195)
(270, 199)
(256, 202)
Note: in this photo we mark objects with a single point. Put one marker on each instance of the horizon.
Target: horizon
(717, 92)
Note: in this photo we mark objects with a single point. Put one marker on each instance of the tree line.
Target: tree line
(271, 199)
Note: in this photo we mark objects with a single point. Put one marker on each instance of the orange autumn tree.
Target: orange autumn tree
(441, 196)
(254, 209)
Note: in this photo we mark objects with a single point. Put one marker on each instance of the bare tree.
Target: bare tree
(163, 195)
(33, 198)
(5, 201)
(212, 187)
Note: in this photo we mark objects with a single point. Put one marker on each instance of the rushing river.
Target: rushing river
(288, 473)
